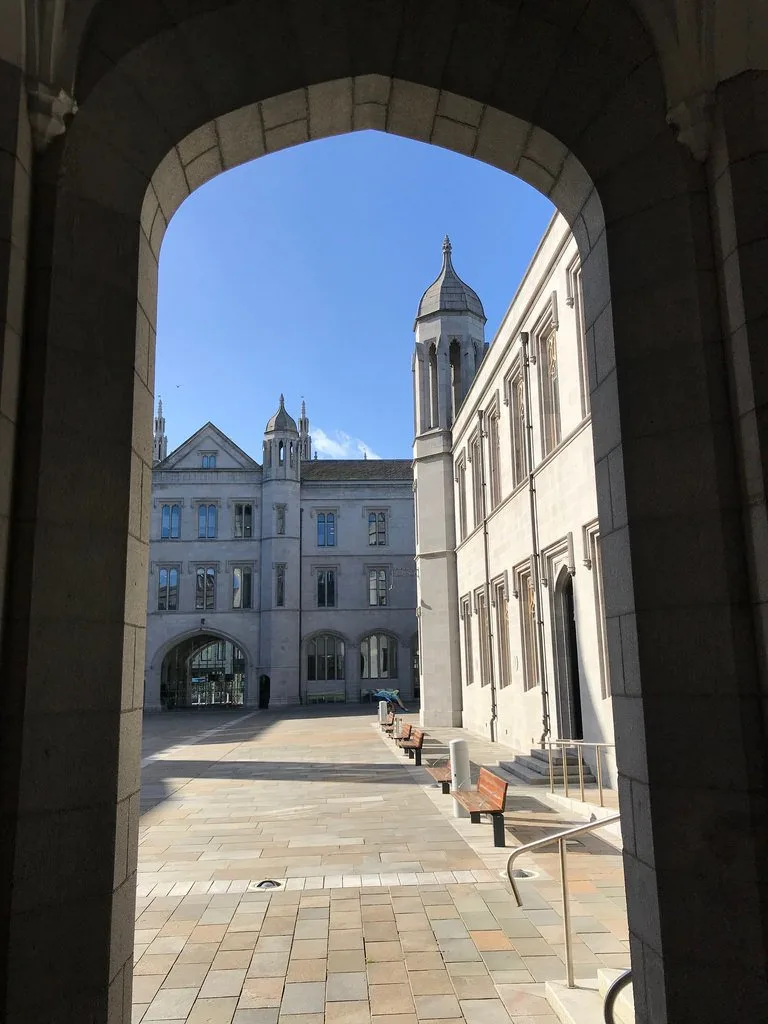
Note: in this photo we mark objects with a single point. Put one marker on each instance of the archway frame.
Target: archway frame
(525, 93)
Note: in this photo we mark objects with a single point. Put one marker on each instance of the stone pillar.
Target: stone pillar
(73, 658)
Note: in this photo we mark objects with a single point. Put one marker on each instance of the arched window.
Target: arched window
(378, 657)
(281, 454)
(170, 522)
(454, 353)
(206, 521)
(377, 529)
(290, 453)
(434, 419)
(325, 658)
(326, 529)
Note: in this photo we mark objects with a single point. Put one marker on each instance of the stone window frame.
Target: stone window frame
(523, 576)
(280, 583)
(208, 453)
(575, 301)
(386, 511)
(480, 604)
(544, 334)
(499, 588)
(474, 458)
(378, 567)
(594, 563)
(281, 518)
(207, 564)
(492, 415)
(514, 399)
(465, 614)
(238, 564)
(318, 510)
(157, 568)
(323, 567)
(460, 476)
(207, 501)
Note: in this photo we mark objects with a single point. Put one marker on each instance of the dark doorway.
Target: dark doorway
(568, 683)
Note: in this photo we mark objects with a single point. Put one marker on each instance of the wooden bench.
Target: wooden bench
(389, 723)
(412, 743)
(488, 798)
(442, 773)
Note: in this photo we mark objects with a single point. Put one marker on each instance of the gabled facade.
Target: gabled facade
(295, 569)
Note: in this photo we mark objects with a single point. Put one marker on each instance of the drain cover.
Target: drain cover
(522, 873)
(268, 883)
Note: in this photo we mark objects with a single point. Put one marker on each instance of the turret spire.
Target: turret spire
(159, 437)
(305, 441)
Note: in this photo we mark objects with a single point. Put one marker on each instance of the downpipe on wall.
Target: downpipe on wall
(536, 556)
(484, 510)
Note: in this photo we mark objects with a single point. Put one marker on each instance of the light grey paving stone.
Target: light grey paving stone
(459, 950)
(256, 1016)
(484, 1011)
(476, 921)
(303, 997)
(438, 1007)
(450, 929)
(503, 960)
(350, 987)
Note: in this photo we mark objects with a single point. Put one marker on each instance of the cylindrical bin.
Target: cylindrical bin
(382, 712)
(460, 777)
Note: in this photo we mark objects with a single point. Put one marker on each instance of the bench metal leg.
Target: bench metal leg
(446, 787)
(498, 830)
(474, 817)
(417, 755)
(410, 755)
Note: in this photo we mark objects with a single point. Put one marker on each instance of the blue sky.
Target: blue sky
(301, 272)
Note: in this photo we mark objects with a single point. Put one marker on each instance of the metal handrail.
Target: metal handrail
(560, 838)
(566, 744)
(616, 987)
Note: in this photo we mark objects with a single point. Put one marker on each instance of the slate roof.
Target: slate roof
(448, 293)
(357, 469)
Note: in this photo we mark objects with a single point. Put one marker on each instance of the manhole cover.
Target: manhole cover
(522, 873)
(268, 883)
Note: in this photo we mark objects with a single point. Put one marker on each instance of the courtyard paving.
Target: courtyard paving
(390, 910)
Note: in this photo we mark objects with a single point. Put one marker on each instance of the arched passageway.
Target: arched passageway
(203, 671)
(570, 96)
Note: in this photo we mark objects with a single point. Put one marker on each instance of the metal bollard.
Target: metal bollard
(460, 777)
(382, 712)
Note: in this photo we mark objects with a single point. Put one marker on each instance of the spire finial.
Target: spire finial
(282, 400)
(447, 247)
(303, 409)
(160, 405)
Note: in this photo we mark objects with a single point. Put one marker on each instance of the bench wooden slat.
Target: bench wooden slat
(489, 796)
(440, 773)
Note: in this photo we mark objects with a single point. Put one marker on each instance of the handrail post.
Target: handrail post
(580, 761)
(566, 913)
(599, 774)
(564, 765)
(551, 770)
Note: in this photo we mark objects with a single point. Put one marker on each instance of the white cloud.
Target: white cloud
(339, 445)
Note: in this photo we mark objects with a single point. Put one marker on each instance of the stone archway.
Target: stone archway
(570, 97)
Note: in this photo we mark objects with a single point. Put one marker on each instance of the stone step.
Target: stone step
(579, 1005)
(534, 764)
(557, 756)
(518, 772)
(624, 1011)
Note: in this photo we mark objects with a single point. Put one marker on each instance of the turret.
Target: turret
(281, 446)
(450, 345)
(159, 437)
(305, 439)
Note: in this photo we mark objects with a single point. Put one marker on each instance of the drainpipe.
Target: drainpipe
(535, 561)
(492, 674)
(301, 568)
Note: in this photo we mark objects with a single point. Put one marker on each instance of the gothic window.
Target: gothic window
(378, 657)
(481, 607)
(527, 598)
(325, 658)
(205, 588)
(290, 453)
(494, 459)
(377, 529)
(326, 529)
(549, 388)
(518, 425)
(281, 454)
(477, 479)
(502, 630)
(168, 589)
(461, 487)
(454, 355)
(209, 460)
(170, 522)
(596, 560)
(378, 587)
(576, 300)
(206, 521)
(243, 519)
(280, 520)
(326, 588)
(434, 416)
(466, 618)
(280, 586)
(242, 586)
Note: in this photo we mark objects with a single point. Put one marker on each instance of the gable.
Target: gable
(208, 439)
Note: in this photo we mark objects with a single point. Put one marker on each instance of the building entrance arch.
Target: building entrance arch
(203, 670)
(567, 672)
(569, 96)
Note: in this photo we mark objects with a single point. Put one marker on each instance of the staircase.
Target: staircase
(584, 1003)
(534, 769)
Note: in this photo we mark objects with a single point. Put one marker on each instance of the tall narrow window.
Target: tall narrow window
(477, 480)
(461, 487)
(454, 355)
(378, 657)
(481, 606)
(281, 453)
(434, 420)
(576, 300)
(326, 529)
(502, 631)
(377, 529)
(326, 588)
(205, 588)
(518, 425)
(549, 388)
(466, 618)
(280, 586)
(596, 558)
(325, 658)
(377, 587)
(243, 519)
(168, 589)
(242, 587)
(170, 522)
(206, 521)
(494, 463)
(527, 598)
(280, 520)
